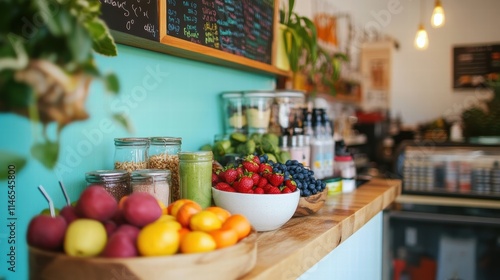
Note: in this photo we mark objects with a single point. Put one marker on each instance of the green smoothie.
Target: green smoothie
(195, 170)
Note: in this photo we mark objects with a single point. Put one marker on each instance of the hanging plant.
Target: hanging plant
(47, 64)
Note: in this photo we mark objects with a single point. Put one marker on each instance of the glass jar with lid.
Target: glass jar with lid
(196, 176)
(163, 154)
(115, 182)
(131, 153)
(153, 181)
(235, 119)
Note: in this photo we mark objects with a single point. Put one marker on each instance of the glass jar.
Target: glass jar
(131, 153)
(153, 181)
(196, 176)
(163, 154)
(115, 182)
(258, 110)
(235, 119)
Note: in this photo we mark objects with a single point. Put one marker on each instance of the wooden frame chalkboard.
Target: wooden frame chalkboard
(190, 18)
(143, 24)
(474, 64)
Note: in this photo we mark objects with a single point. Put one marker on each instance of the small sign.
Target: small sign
(473, 65)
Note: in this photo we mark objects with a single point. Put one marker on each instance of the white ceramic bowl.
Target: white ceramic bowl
(264, 211)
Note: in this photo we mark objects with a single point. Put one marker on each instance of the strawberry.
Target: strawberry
(240, 171)
(230, 175)
(245, 184)
(250, 166)
(222, 174)
(276, 179)
(291, 184)
(215, 179)
(265, 168)
(262, 182)
(273, 190)
(256, 159)
(258, 190)
(267, 187)
(224, 187)
(255, 178)
(286, 190)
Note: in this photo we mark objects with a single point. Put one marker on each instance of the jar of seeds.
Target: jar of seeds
(153, 181)
(115, 182)
(163, 154)
(131, 153)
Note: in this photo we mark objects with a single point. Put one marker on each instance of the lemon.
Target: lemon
(159, 239)
(205, 221)
(197, 242)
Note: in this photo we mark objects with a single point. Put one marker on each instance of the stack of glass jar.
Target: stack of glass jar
(142, 164)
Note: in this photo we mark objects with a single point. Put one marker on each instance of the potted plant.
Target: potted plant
(47, 64)
(299, 40)
(483, 120)
(308, 61)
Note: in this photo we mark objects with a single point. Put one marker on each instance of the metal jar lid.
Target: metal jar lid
(166, 140)
(106, 176)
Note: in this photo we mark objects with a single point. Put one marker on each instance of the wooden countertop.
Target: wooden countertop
(288, 252)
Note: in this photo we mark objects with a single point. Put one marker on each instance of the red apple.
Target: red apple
(46, 232)
(96, 203)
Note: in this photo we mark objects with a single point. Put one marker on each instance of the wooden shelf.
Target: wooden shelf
(181, 48)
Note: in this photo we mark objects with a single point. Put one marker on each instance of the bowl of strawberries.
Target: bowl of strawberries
(254, 188)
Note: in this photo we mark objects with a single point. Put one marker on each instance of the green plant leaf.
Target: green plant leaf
(10, 159)
(111, 82)
(79, 43)
(103, 42)
(47, 153)
(123, 120)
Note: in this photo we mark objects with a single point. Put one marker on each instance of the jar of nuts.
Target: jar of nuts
(153, 181)
(131, 153)
(116, 182)
(163, 154)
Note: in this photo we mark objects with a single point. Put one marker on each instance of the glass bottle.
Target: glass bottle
(317, 145)
(163, 154)
(195, 169)
(153, 181)
(131, 153)
(115, 182)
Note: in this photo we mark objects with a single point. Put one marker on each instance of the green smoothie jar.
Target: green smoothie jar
(195, 170)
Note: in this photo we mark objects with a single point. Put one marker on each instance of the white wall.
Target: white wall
(422, 80)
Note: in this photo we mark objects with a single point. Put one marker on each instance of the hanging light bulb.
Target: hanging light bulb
(437, 19)
(421, 39)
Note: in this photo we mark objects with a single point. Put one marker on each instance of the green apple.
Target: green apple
(85, 238)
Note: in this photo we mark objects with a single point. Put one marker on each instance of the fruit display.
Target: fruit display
(136, 226)
(262, 175)
(240, 144)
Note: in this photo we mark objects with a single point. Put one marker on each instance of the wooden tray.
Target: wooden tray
(228, 263)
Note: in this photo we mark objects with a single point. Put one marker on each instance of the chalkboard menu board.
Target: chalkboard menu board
(135, 17)
(243, 28)
(473, 65)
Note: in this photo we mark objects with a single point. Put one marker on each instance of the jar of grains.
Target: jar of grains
(115, 182)
(153, 181)
(163, 154)
(196, 176)
(131, 153)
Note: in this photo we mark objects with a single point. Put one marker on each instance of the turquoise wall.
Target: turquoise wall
(162, 96)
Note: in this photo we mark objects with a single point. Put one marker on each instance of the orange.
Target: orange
(121, 202)
(197, 242)
(182, 232)
(158, 239)
(166, 218)
(240, 224)
(185, 212)
(224, 237)
(176, 205)
(205, 221)
(222, 213)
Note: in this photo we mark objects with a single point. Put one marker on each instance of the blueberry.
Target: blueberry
(300, 176)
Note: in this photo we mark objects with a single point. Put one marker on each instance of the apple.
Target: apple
(46, 232)
(68, 212)
(141, 208)
(120, 245)
(96, 203)
(85, 238)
